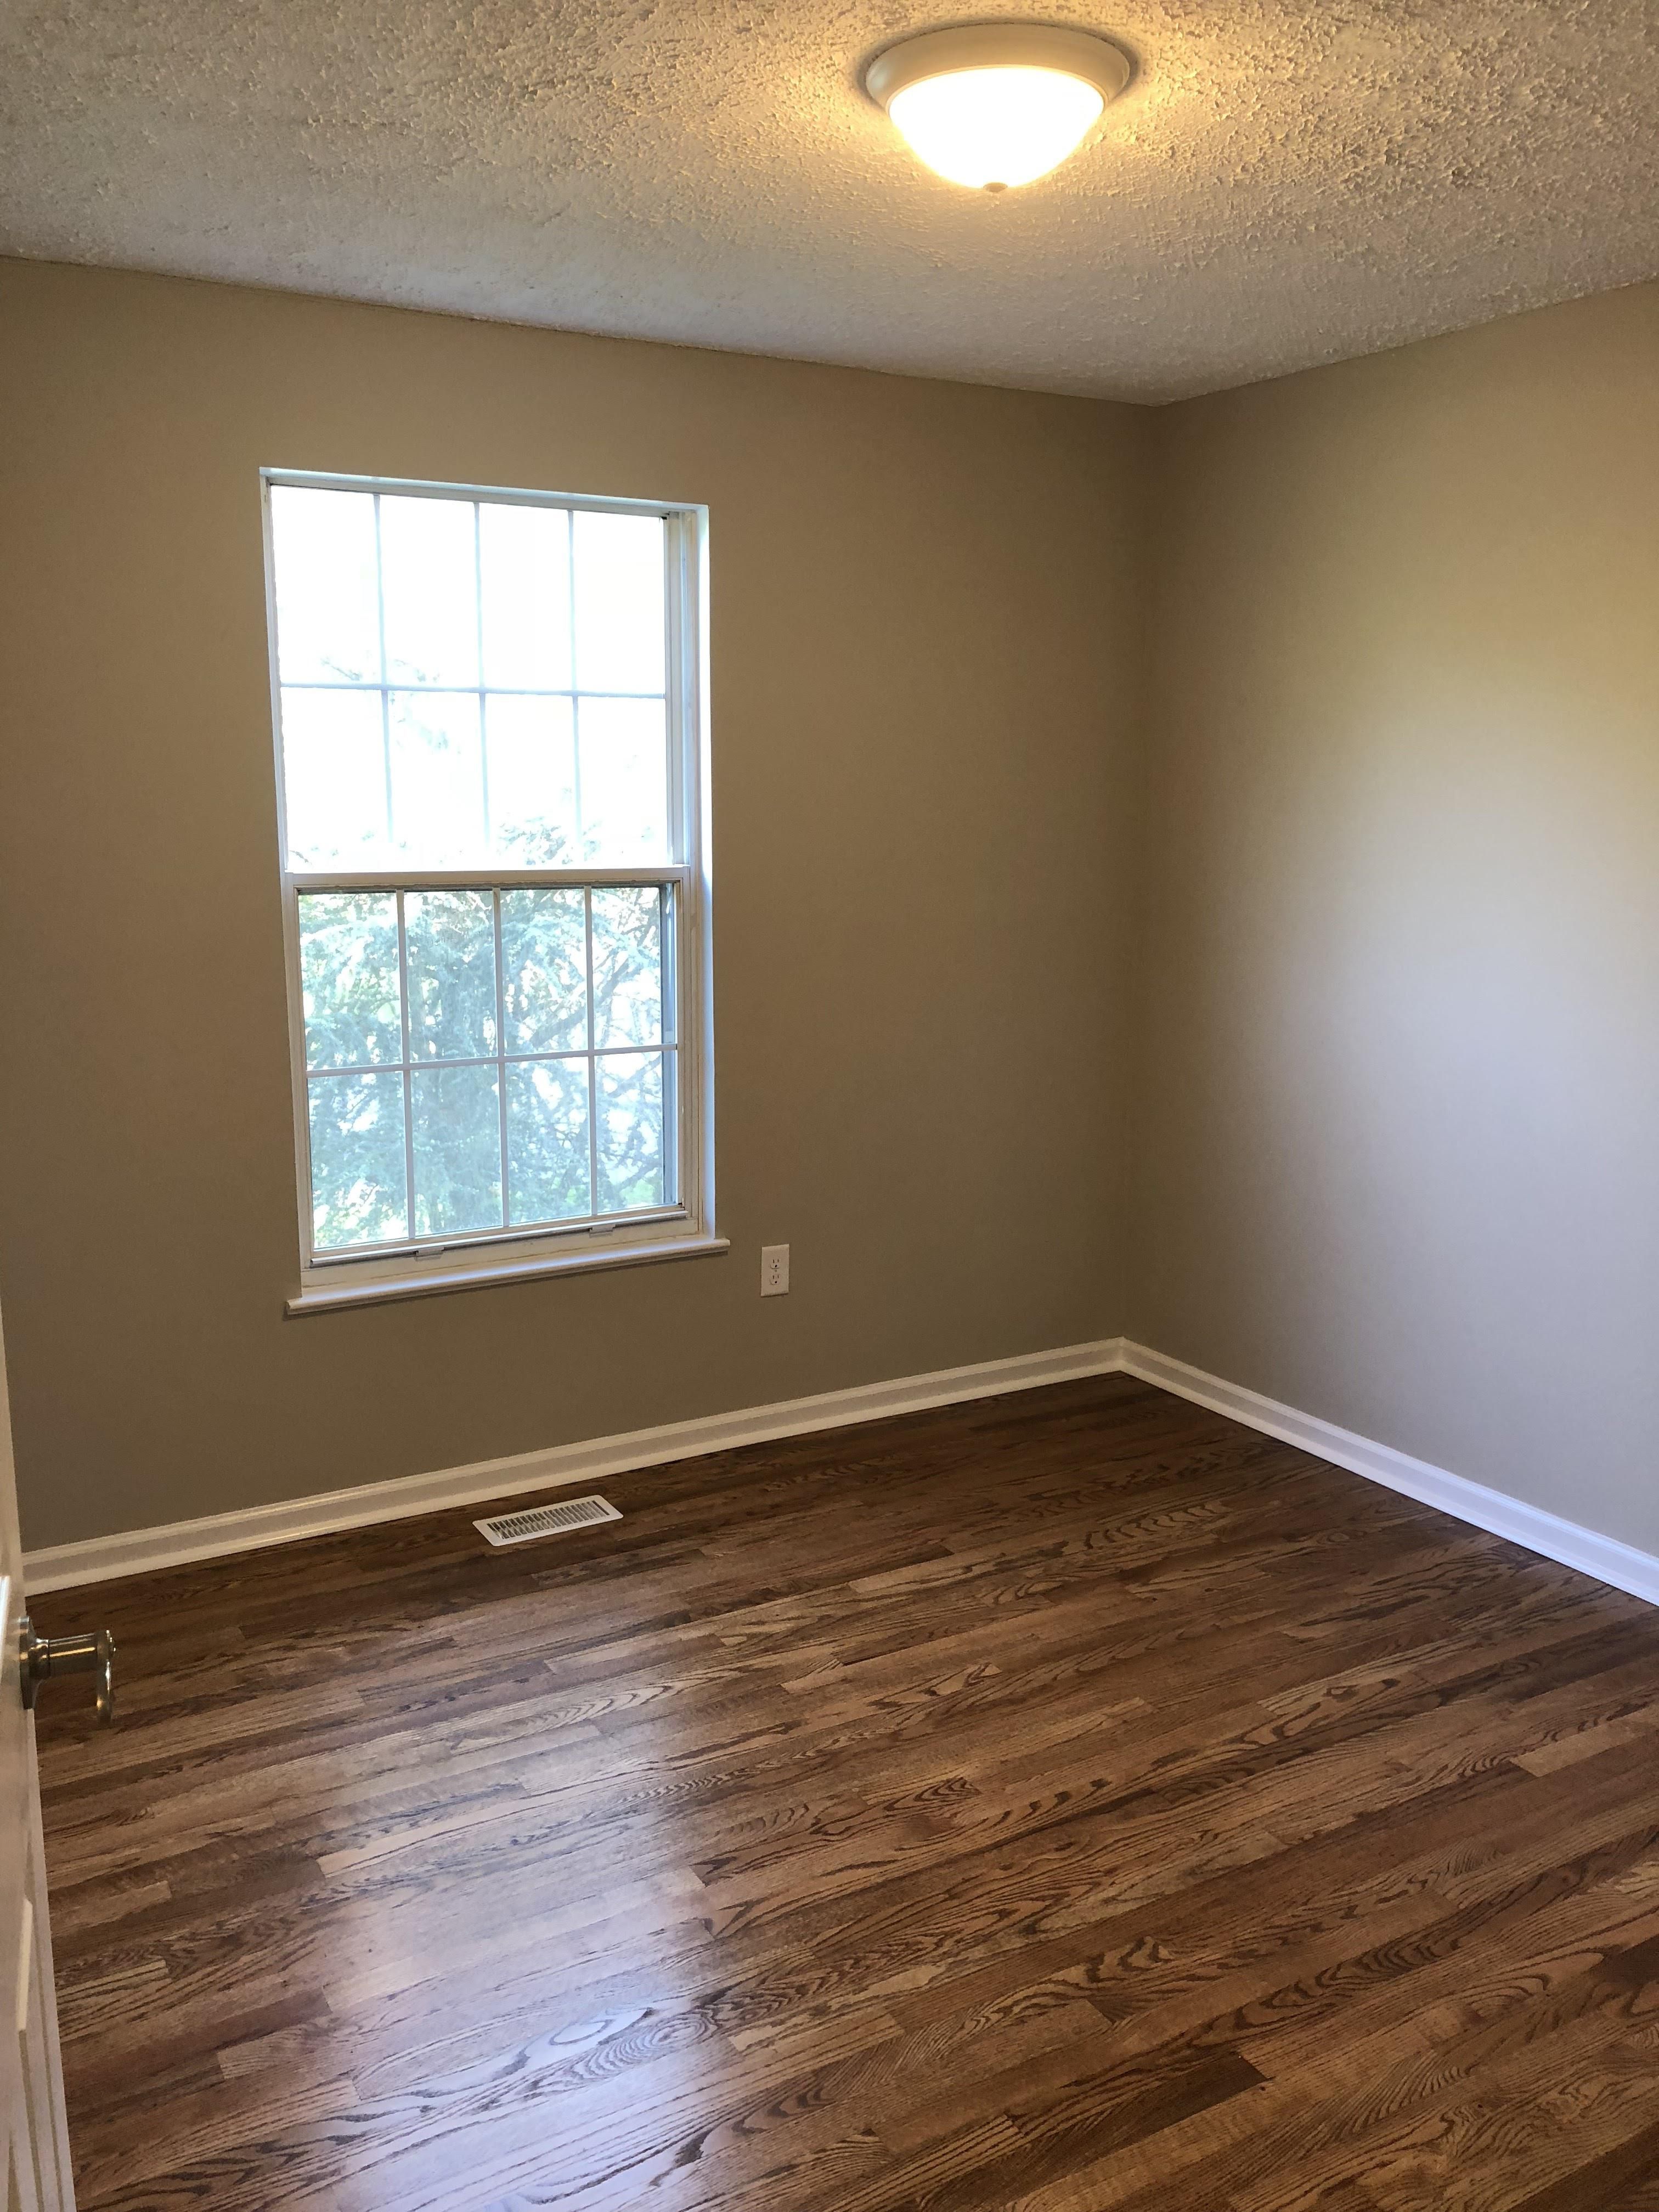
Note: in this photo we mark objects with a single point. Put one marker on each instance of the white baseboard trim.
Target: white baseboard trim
(142, 1551)
(1565, 1541)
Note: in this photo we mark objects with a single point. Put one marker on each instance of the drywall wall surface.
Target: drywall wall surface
(924, 669)
(1397, 1053)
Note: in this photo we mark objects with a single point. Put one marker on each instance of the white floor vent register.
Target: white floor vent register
(548, 1520)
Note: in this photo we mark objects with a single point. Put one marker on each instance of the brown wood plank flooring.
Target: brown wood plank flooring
(1064, 1801)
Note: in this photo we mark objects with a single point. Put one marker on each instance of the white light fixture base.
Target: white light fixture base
(992, 105)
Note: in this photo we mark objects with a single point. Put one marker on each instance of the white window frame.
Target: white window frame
(686, 1227)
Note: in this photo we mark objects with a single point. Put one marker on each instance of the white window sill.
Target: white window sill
(428, 1282)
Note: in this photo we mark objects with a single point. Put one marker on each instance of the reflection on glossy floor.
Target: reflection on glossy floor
(1070, 1801)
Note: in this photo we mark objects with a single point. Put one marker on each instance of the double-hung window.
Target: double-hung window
(488, 720)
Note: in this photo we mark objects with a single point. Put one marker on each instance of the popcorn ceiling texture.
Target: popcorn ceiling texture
(1282, 184)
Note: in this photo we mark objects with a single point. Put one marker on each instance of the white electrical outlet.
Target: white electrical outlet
(775, 1270)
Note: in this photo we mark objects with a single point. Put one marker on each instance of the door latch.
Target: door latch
(41, 1656)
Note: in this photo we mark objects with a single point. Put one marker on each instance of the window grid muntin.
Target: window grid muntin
(687, 1131)
(483, 741)
(486, 1059)
(666, 1047)
(501, 1033)
(592, 1072)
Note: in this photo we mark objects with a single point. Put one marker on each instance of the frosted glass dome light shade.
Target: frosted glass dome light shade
(996, 126)
(997, 104)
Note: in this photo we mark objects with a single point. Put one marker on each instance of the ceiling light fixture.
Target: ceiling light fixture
(997, 104)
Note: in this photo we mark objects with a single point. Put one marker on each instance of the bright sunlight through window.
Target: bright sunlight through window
(486, 716)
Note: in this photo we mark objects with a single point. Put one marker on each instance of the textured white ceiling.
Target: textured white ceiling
(1285, 181)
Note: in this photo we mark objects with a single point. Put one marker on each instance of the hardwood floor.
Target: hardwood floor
(1066, 1801)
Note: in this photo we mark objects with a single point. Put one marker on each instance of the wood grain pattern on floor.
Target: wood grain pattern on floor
(1072, 1802)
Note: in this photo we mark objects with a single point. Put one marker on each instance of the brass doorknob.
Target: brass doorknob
(40, 1657)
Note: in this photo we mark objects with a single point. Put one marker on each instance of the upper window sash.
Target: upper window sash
(471, 682)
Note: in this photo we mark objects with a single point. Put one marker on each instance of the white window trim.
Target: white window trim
(683, 1231)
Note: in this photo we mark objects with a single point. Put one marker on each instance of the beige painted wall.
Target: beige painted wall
(1396, 1030)
(1397, 1062)
(925, 648)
